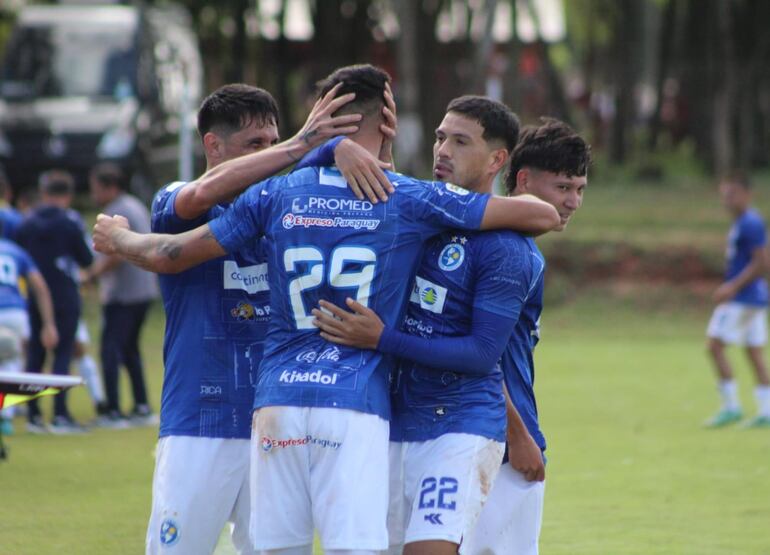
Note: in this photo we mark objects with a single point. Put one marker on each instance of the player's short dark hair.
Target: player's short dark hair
(497, 119)
(552, 146)
(232, 107)
(737, 177)
(107, 174)
(57, 183)
(366, 80)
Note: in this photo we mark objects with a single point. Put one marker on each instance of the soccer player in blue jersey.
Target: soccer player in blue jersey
(217, 315)
(449, 415)
(550, 162)
(15, 265)
(320, 432)
(740, 317)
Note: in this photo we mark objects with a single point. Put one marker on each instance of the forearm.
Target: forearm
(515, 425)
(464, 355)
(227, 180)
(167, 254)
(524, 213)
(752, 271)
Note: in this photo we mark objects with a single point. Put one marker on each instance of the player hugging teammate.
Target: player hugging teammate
(320, 449)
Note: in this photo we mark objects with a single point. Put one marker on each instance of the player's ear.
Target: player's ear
(522, 180)
(212, 145)
(498, 159)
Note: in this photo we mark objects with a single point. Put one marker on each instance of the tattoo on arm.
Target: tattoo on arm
(307, 136)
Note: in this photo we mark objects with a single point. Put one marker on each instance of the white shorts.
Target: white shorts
(445, 484)
(81, 335)
(16, 319)
(511, 519)
(199, 484)
(323, 469)
(739, 324)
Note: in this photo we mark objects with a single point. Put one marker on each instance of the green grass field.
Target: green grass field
(623, 385)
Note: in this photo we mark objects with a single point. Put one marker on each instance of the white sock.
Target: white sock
(762, 393)
(90, 373)
(728, 389)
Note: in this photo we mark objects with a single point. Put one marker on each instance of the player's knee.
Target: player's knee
(714, 346)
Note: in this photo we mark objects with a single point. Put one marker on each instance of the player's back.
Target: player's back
(324, 243)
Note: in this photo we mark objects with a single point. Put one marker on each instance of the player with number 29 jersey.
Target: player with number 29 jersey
(326, 244)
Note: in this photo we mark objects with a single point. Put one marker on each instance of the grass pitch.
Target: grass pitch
(623, 385)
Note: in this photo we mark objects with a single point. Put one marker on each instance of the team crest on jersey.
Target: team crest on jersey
(169, 532)
(242, 311)
(452, 255)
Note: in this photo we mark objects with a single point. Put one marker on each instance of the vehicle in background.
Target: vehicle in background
(83, 84)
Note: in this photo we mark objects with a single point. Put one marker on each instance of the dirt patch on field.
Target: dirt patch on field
(626, 263)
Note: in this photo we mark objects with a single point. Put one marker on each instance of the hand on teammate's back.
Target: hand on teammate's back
(361, 328)
(525, 457)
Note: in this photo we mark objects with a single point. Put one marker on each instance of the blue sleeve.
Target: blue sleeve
(26, 264)
(475, 354)
(245, 219)
(163, 216)
(320, 156)
(507, 273)
(436, 206)
(754, 234)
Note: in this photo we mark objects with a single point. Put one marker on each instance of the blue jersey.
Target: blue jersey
(216, 320)
(517, 362)
(10, 220)
(15, 264)
(746, 235)
(326, 244)
(495, 272)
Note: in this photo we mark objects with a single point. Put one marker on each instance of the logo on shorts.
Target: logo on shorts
(452, 255)
(434, 518)
(267, 444)
(169, 532)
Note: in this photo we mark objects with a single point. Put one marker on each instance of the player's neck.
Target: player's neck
(371, 141)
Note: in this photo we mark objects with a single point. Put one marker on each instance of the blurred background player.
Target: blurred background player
(56, 245)
(740, 317)
(16, 265)
(126, 294)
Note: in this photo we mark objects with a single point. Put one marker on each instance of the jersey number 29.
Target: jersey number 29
(360, 280)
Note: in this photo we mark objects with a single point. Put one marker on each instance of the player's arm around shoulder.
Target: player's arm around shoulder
(156, 252)
(524, 213)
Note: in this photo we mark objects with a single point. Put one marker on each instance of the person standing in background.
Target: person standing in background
(56, 245)
(126, 294)
(740, 317)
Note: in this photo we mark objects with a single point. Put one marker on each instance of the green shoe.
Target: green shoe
(724, 417)
(759, 421)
